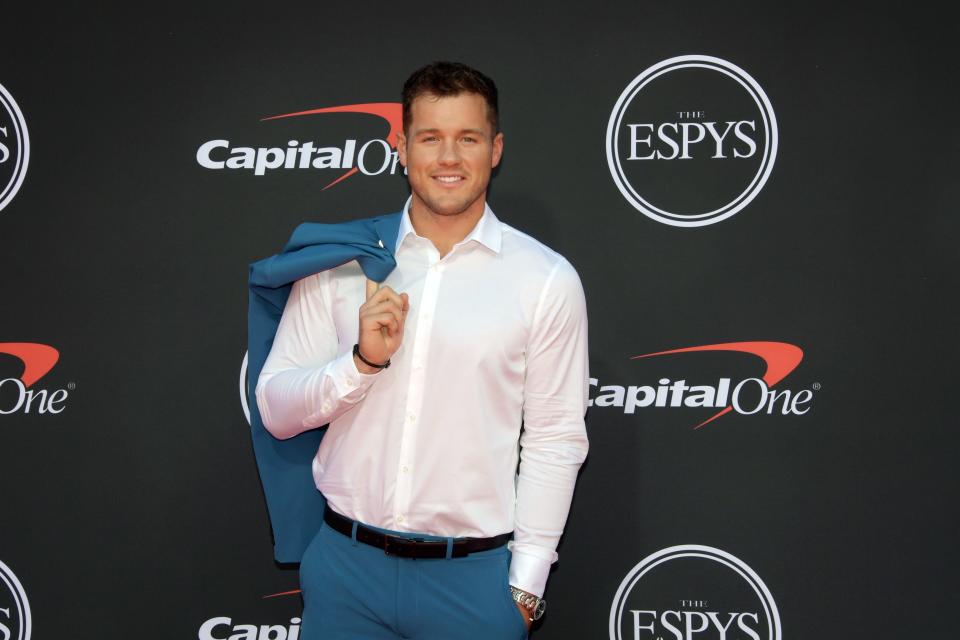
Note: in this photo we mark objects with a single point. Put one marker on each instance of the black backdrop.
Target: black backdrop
(136, 511)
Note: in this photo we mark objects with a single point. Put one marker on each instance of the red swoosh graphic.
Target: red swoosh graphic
(282, 593)
(780, 358)
(37, 359)
(392, 112)
(341, 178)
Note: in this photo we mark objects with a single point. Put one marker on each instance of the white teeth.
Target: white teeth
(449, 178)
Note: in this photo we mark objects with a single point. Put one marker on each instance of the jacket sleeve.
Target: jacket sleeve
(308, 380)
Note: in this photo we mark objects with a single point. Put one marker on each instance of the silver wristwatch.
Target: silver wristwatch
(529, 602)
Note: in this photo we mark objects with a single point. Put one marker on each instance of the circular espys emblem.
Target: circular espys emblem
(693, 592)
(691, 141)
(14, 607)
(244, 393)
(14, 147)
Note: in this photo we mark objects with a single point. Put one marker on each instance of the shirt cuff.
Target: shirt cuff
(350, 387)
(529, 567)
(348, 379)
(361, 379)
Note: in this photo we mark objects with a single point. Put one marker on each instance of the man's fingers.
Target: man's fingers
(386, 309)
(379, 307)
(384, 293)
(389, 320)
(382, 309)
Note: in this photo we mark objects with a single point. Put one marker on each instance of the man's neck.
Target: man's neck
(445, 231)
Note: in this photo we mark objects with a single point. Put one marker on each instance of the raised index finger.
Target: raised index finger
(372, 288)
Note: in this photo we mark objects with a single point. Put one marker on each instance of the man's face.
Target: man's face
(449, 151)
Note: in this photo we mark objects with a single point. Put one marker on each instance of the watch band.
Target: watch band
(534, 605)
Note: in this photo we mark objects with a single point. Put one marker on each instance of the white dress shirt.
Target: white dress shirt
(496, 334)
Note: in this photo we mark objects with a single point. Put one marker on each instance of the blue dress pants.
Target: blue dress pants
(353, 591)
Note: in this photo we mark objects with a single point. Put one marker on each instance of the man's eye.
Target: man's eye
(469, 139)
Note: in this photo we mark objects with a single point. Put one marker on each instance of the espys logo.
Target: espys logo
(16, 395)
(371, 158)
(244, 396)
(747, 396)
(691, 141)
(14, 608)
(692, 592)
(14, 148)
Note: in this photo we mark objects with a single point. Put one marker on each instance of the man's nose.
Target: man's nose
(449, 153)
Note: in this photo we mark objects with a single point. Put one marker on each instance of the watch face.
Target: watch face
(541, 607)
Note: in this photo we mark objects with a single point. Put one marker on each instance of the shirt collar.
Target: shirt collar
(487, 230)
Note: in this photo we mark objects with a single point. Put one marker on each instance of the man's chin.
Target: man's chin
(449, 211)
(448, 207)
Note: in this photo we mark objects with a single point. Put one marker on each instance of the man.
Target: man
(478, 329)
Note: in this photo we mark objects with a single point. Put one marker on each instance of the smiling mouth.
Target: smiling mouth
(449, 179)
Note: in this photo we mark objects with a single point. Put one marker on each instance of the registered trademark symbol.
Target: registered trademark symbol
(71, 385)
(816, 386)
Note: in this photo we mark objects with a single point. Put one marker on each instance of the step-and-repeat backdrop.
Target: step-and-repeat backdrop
(760, 202)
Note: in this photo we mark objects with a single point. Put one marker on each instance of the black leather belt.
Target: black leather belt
(412, 547)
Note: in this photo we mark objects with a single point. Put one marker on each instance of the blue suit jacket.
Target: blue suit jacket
(295, 505)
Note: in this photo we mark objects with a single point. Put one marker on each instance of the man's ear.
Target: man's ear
(497, 149)
(402, 148)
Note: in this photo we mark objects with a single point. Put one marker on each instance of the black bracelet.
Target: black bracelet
(356, 352)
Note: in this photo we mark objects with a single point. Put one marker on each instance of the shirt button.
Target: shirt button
(405, 468)
(400, 518)
(411, 418)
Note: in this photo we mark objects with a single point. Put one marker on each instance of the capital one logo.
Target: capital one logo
(691, 141)
(371, 157)
(18, 394)
(15, 621)
(14, 148)
(693, 592)
(224, 628)
(745, 396)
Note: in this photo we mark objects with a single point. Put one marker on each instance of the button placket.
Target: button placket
(415, 391)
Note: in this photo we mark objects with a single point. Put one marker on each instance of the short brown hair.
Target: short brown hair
(444, 79)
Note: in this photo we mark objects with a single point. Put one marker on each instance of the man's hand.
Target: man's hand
(526, 615)
(382, 318)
